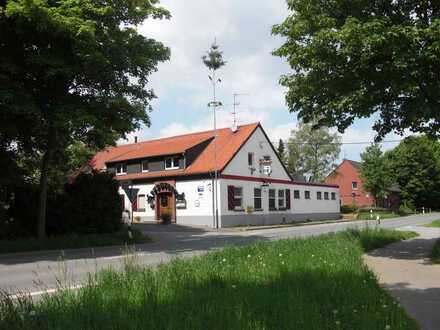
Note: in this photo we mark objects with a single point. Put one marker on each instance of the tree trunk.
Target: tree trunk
(42, 202)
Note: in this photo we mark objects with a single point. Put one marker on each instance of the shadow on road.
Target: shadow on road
(422, 304)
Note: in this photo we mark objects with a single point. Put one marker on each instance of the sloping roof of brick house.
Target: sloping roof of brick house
(228, 144)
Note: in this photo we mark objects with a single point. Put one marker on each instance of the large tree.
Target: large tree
(73, 71)
(415, 166)
(375, 172)
(312, 152)
(355, 59)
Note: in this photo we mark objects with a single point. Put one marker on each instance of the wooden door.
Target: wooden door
(165, 204)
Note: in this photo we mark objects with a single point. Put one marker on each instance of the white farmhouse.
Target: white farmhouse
(175, 176)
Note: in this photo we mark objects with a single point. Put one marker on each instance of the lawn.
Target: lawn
(310, 283)
(435, 224)
(73, 241)
(365, 215)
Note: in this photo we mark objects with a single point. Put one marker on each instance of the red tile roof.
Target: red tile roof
(228, 144)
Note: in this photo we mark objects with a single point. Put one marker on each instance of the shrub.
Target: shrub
(91, 204)
(166, 218)
(405, 210)
(348, 208)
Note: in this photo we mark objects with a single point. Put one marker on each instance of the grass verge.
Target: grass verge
(74, 241)
(309, 283)
(435, 255)
(434, 224)
(383, 215)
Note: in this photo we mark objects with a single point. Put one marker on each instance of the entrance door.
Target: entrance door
(165, 205)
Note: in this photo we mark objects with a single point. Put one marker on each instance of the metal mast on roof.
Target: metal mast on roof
(234, 111)
(214, 61)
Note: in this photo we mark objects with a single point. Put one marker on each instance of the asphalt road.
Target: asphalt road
(39, 271)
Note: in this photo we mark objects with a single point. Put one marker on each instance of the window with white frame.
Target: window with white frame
(281, 199)
(326, 195)
(318, 195)
(172, 163)
(354, 185)
(272, 199)
(141, 203)
(333, 196)
(238, 198)
(121, 169)
(257, 199)
(145, 166)
(296, 194)
(307, 194)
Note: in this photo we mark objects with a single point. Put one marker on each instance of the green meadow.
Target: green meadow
(306, 283)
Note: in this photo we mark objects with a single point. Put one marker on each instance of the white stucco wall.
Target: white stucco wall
(198, 195)
(260, 146)
(313, 205)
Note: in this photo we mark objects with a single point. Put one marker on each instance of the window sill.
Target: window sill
(121, 174)
(273, 209)
(238, 210)
(258, 210)
(171, 168)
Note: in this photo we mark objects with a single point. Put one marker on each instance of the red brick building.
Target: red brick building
(346, 175)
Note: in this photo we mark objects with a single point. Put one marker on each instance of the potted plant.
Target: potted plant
(166, 218)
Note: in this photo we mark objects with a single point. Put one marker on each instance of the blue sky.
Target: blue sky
(243, 31)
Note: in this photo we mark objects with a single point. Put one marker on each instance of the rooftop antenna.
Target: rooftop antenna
(234, 111)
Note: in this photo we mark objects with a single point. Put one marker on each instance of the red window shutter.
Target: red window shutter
(231, 205)
(288, 199)
(134, 205)
(122, 201)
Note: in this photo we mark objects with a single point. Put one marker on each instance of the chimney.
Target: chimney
(135, 139)
(234, 127)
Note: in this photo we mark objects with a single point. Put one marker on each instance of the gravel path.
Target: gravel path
(405, 270)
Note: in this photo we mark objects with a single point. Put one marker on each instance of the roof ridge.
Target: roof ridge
(181, 135)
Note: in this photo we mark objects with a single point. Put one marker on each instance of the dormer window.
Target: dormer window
(172, 163)
(145, 166)
(121, 169)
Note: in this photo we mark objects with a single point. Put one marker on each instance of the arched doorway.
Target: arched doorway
(165, 202)
(164, 197)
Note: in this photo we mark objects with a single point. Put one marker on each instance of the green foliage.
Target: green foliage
(415, 166)
(73, 241)
(214, 58)
(312, 152)
(371, 239)
(375, 172)
(166, 218)
(353, 59)
(435, 255)
(434, 224)
(73, 71)
(296, 283)
(91, 204)
(348, 208)
(281, 150)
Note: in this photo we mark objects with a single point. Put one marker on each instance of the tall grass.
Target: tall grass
(311, 283)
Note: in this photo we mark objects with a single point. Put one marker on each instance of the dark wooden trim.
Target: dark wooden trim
(270, 180)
